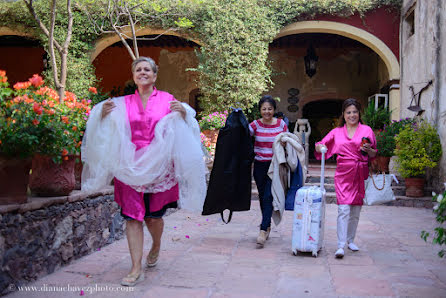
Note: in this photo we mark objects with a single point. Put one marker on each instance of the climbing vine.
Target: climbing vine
(233, 68)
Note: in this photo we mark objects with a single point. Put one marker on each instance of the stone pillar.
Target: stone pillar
(395, 101)
(303, 131)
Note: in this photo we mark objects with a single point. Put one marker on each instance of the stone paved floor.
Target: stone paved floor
(202, 257)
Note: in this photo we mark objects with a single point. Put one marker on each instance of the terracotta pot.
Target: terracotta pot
(211, 135)
(78, 171)
(414, 187)
(381, 164)
(14, 176)
(52, 179)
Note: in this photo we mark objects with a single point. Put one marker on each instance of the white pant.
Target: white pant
(348, 218)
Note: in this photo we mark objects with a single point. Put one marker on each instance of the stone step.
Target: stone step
(401, 199)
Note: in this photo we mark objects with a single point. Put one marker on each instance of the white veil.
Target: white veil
(173, 156)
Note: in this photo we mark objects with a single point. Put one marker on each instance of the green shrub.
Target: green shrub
(376, 119)
(385, 139)
(440, 211)
(418, 147)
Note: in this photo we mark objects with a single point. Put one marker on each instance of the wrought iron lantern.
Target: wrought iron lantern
(311, 61)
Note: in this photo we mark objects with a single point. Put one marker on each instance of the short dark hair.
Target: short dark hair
(349, 102)
(269, 99)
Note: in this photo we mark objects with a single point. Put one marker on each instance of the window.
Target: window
(409, 22)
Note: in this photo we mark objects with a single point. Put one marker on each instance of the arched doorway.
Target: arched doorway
(194, 100)
(173, 54)
(323, 116)
(21, 57)
(361, 33)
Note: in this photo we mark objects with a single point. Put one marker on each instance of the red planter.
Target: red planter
(414, 187)
(78, 171)
(211, 135)
(50, 179)
(14, 176)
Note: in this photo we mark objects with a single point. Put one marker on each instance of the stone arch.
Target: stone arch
(22, 32)
(352, 32)
(104, 42)
(22, 53)
(374, 43)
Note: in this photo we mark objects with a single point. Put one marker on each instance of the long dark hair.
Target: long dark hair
(349, 102)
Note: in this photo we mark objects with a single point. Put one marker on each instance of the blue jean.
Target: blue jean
(263, 183)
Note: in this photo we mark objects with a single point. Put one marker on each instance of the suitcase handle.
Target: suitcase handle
(323, 151)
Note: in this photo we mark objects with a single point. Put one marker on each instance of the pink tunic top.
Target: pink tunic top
(352, 167)
(142, 125)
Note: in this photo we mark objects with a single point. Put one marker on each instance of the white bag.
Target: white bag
(378, 189)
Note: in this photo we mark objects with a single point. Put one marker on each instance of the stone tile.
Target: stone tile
(290, 286)
(353, 286)
(408, 290)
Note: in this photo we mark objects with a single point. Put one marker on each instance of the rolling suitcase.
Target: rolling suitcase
(309, 217)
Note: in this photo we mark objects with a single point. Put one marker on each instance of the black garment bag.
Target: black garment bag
(230, 181)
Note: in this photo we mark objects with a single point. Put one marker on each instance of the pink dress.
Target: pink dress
(352, 167)
(142, 125)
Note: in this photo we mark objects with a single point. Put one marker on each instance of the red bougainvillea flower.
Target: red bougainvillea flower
(48, 91)
(37, 109)
(27, 99)
(36, 80)
(93, 90)
(22, 85)
(64, 152)
(65, 119)
(36, 122)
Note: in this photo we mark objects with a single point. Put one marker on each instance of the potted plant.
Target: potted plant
(18, 142)
(209, 126)
(376, 119)
(56, 128)
(418, 147)
(385, 143)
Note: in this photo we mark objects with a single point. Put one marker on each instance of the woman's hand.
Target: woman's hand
(367, 147)
(107, 107)
(176, 106)
(319, 148)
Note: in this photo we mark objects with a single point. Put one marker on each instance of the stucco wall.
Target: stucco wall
(173, 76)
(423, 58)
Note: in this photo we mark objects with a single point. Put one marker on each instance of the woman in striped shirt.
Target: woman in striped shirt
(265, 130)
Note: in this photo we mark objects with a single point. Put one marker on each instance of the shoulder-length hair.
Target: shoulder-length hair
(349, 102)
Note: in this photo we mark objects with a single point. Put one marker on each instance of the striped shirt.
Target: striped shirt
(264, 138)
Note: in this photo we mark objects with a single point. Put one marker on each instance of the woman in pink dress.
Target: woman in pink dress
(144, 109)
(354, 144)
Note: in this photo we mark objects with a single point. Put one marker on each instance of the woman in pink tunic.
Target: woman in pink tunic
(144, 109)
(354, 144)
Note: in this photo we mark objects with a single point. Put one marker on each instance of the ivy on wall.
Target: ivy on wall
(235, 34)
